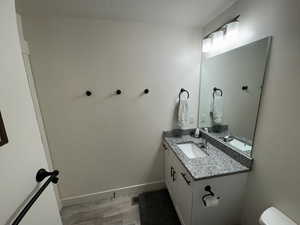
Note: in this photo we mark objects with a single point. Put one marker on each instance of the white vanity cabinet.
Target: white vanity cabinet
(186, 194)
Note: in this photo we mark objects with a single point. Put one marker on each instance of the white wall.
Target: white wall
(104, 141)
(275, 177)
(31, 84)
(21, 158)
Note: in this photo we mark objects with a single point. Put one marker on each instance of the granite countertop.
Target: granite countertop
(217, 163)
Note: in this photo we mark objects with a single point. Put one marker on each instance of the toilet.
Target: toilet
(273, 216)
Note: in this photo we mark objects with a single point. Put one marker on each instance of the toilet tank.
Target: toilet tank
(273, 216)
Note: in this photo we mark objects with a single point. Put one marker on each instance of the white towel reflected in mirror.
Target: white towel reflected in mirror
(217, 109)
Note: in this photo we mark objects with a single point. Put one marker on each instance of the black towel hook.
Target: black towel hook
(88, 93)
(182, 90)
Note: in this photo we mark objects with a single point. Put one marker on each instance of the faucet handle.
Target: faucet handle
(204, 143)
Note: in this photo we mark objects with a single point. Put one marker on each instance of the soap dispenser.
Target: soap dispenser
(197, 133)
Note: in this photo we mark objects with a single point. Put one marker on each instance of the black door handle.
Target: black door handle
(3, 135)
(186, 180)
(173, 172)
(164, 147)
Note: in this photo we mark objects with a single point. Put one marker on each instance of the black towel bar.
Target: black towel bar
(40, 176)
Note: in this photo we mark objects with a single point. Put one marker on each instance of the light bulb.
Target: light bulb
(218, 40)
(206, 44)
(232, 30)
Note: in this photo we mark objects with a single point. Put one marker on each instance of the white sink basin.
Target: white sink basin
(191, 150)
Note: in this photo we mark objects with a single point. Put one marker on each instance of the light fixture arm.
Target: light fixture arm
(235, 19)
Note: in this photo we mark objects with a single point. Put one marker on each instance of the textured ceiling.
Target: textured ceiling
(172, 12)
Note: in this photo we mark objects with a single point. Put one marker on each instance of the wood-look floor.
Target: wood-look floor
(116, 212)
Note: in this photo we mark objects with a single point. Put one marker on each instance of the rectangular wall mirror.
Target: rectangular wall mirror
(230, 92)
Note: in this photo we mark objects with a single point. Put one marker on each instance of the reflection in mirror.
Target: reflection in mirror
(231, 86)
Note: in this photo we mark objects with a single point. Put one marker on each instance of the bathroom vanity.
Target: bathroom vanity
(205, 188)
(206, 176)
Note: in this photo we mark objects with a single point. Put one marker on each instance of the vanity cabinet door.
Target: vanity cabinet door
(169, 170)
(183, 195)
(179, 184)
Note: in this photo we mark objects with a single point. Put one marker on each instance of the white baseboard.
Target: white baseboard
(132, 191)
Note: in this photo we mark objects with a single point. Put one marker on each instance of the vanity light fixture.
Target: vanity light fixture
(226, 32)
(206, 44)
(232, 30)
(217, 40)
